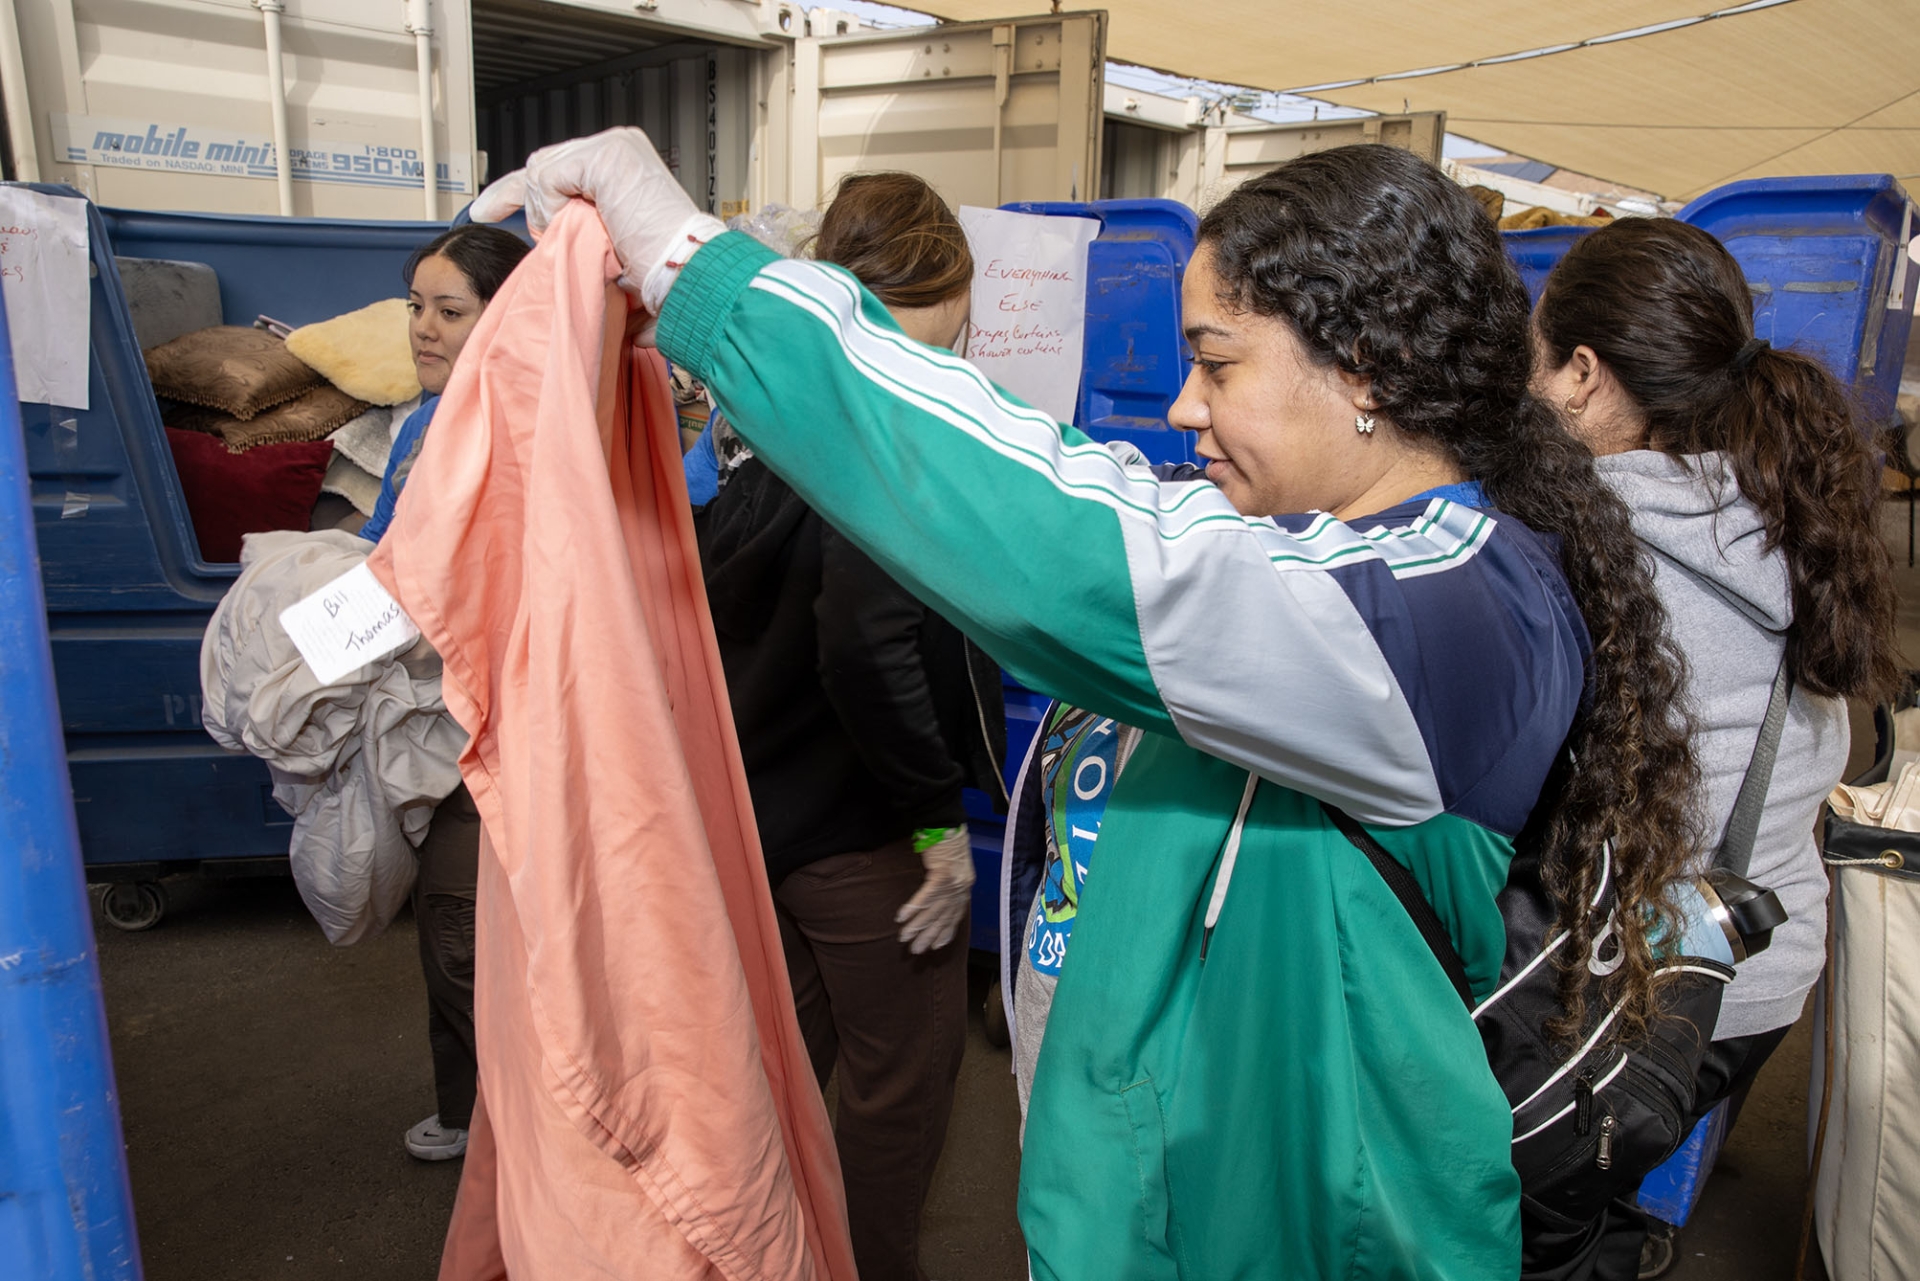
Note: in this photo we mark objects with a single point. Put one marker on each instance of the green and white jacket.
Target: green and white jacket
(1276, 1082)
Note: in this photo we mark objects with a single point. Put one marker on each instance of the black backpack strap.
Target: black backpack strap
(1743, 825)
(1407, 890)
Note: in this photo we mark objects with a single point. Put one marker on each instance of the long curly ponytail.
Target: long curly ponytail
(1392, 273)
(1666, 309)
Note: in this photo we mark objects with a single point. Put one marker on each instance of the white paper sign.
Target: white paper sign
(1030, 303)
(348, 623)
(43, 273)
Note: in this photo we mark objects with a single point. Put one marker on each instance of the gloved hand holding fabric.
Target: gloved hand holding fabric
(649, 217)
(930, 918)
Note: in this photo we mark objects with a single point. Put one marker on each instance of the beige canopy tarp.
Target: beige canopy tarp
(1773, 88)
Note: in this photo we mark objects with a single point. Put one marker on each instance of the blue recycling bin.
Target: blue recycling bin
(127, 591)
(1537, 251)
(66, 1213)
(1825, 258)
(1671, 1191)
(1135, 358)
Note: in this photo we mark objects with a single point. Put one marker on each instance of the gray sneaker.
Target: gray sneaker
(431, 1141)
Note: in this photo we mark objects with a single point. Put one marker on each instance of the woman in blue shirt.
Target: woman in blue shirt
(450, 281)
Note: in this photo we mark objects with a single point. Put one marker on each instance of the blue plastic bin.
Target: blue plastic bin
(299, 270)
(128, 595)
(1826, 260)
(65, 1210)
(1670, 1192)
(1136, 356)
(1537, 251)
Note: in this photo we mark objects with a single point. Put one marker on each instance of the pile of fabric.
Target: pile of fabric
(262, 420)
(1893, 803)
(359, 763)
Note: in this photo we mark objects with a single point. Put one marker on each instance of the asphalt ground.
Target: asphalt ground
(266, 1079)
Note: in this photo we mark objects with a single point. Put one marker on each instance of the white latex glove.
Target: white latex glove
(931, 917)
(650, 218)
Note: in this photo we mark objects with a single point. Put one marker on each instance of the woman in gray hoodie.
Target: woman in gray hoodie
(1753, 486)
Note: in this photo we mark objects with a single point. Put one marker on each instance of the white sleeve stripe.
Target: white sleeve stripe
(955, 392)
(1311, 702)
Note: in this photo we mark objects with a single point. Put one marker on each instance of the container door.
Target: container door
(1235, 153)
(169, 106)
(988, 112)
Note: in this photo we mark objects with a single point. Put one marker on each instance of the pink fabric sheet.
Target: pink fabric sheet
(647, 1108)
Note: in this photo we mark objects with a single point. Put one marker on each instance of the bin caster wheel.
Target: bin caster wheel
(995, 1011)
(1656, 1256)
(134, 906)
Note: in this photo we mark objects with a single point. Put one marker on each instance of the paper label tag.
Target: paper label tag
(44, 277)
(1030, 304)
(348, 623)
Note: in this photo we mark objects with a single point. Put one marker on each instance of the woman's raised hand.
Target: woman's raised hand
(652, 221)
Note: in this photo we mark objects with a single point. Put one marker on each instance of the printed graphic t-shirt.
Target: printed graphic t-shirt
(1079, 760)
(1080, 756)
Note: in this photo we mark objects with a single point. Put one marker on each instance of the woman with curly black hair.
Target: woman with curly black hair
(1372, 599)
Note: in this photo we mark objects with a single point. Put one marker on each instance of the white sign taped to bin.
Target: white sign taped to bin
(43, 273)
(350, 622)
(1030, 303)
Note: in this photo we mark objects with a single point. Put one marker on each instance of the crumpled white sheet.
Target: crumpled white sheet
(360, 763)
(1894, 805)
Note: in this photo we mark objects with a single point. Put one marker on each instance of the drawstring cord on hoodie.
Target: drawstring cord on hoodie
(1228, 856)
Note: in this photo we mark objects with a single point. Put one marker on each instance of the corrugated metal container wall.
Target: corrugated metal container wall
(169, 104)
(695, 103)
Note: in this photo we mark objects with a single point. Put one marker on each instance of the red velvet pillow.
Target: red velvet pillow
(268, 487)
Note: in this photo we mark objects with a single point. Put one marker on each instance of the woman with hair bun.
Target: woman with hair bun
(861, 715)
(1754, 487)
(1399, 588)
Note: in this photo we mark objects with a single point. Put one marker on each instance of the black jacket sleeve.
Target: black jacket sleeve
(874, 676)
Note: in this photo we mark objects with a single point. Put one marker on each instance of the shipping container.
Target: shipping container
(193, 104)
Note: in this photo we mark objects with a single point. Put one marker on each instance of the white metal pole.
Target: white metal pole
(420, 22)
(270, 11)
(1002, 79)
(13, 88)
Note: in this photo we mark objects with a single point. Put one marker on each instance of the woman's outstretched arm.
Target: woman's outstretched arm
(1264, 643)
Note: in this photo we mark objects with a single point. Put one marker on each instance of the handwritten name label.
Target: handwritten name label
(350, 622)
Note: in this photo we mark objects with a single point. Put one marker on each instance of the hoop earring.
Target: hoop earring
(1571, 411)
(1363, 423)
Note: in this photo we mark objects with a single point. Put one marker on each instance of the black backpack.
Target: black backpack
(1592, 1116)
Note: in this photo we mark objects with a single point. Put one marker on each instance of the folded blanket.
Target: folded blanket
(360, 459)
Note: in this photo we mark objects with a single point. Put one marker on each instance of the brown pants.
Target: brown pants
(894, 1023)
(443, 892)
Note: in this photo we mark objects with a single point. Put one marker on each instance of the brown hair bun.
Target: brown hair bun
(898, 237)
